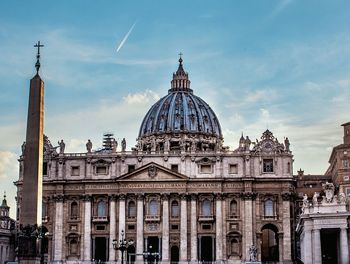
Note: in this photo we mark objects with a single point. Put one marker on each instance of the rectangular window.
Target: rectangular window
(205, 169)
(44, 168)
(233, 169)
(100, 227)
(131, 227)
(101, 170)
(174, 227)
(175, 167)
(75, 171)
(131, 168)
(206, 227)
(268, 165)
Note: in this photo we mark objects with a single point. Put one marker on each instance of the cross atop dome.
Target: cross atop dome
(180, 80)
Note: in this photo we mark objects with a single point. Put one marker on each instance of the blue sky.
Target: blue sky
(282, 65)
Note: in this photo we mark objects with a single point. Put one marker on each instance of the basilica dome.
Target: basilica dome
(181, 116)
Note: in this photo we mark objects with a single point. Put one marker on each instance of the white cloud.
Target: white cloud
(141, 98)
(8, 164)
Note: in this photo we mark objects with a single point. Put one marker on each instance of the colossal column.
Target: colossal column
(194, 242)
(219, 237)
(287, 252)
(183, 229)
(112, 229)
(344, 246)
(58, 229)
(165, 233)
(248, 222)
(87, 228)
(139, 229)
(121, 228)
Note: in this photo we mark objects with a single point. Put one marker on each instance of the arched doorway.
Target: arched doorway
(269, 245)
(174, 254)
(130, 256)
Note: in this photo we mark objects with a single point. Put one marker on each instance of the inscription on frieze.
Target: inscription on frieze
(152, 185)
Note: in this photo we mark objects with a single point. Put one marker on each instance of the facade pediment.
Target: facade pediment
(152, 172)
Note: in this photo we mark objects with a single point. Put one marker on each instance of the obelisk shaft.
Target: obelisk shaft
(31, 204)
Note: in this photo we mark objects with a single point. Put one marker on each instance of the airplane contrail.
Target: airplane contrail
(126, 37)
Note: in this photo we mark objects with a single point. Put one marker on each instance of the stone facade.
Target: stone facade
(179, 195)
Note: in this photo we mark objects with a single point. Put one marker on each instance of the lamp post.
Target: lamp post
(122, 245)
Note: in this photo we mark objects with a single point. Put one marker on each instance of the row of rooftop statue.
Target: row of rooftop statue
(62, 146)
(187, 143)
(328, 198)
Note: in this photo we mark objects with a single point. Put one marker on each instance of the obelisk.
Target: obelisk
(31, 202)
(29, 247)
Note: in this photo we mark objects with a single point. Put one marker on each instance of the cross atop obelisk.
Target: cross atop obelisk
(37, 64)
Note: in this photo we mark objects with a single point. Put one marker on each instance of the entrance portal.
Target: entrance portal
(329, 245)
(206, 253)
(269, 246)
(174, 254)
(100, 249)
(153, 249)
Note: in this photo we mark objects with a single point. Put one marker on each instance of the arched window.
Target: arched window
(233, 208)
(206, 208)
(74, 210)
(269, 208)
(73, 247)
(174, 209)
(153, 208)
(132, 209)
(101, 208)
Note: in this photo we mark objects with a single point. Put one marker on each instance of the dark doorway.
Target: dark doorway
(269, 245)
(206, 249)
(130, 256)
(329, 245)
(100, 249)
(153, 249)
(174, 254)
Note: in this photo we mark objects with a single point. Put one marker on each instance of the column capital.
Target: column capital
(194, 196)
(183, 196)
(140, 196)
(165, 196)
(58, 198)
(122, 196)
(248, 195)
(286, 196)
(113, 197)
(87, 197)
(219, 196)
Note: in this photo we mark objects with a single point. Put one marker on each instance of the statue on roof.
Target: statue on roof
(62, 146)
(89, 146)
(123, 144)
